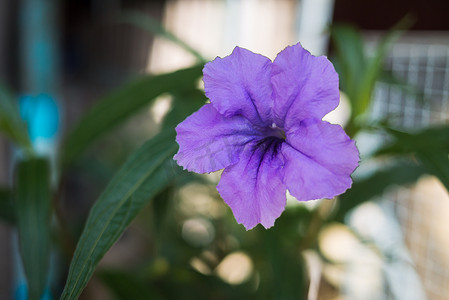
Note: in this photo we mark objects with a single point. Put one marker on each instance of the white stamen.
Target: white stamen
(273, 125)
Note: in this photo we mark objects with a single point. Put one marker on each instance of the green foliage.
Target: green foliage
(118, 106)
(365, 189)
(358, 71)
(141, 177)
(431, 147)
(282, 267)
(436, 163)
(428, 139)
(350, 62)
(179, 282)
(274, 253)
(32, 200)
(150, 176)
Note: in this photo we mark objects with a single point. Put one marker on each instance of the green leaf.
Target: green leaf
(184, 104)
(33, 206)
(142, 176)
(350, 61)
(431, 147)
(118, 106)
(7, 212)
(359, 71)
(283, 263)
(147, 23)
(437, 163)
(433, 138)
(374, 66)
(368, 188)
(11, 124)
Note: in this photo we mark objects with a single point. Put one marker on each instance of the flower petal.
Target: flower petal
(254, 187)
(304, 86)
(320, 158)
(239, 84)
(209, 142)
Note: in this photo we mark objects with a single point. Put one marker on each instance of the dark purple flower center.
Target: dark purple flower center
(277, 132)
(273, 138)
(273, 131)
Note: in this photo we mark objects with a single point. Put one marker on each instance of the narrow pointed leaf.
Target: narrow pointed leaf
(118, 106)
(141, 177)
(374, 65)
(33, 207)
(358, 70)
(433, 138)
(350, 59)
(431, 147)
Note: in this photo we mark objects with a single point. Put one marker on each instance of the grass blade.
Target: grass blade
(33, 207)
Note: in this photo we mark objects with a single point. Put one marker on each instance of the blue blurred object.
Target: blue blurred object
(41, 114)
(21, 291)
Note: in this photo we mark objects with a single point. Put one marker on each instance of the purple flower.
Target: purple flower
(263, 126)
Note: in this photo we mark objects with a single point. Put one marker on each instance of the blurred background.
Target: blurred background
(391, 245)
